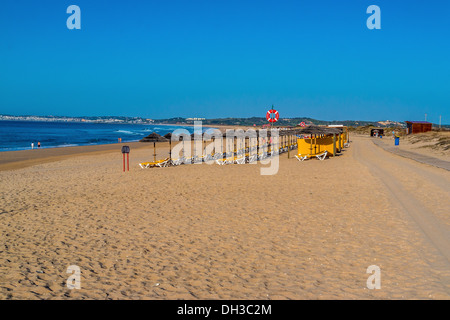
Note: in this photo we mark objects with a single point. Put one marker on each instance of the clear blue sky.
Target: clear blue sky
(216, 58)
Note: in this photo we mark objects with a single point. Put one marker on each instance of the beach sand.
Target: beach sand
(424, 143)
(219, 232)
(25, 158)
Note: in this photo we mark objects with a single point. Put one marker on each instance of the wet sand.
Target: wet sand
(222, 232)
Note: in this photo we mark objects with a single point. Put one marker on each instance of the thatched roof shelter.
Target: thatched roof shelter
(335, 130)
(312, 129)
(154, 137)
(319, 130)
(177, 137)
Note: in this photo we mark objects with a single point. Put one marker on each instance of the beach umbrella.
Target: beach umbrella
(177, 137)
(168, 136)
(153, 137)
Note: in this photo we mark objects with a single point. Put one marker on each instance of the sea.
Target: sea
(18, 135)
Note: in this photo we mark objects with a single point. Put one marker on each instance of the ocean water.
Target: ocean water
(18, 135)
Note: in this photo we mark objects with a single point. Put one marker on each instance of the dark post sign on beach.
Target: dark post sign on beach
(126, 150)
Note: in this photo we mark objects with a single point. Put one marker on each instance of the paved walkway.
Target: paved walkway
(415, 156)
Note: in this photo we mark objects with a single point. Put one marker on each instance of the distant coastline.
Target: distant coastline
(179, 121)
(24, 135)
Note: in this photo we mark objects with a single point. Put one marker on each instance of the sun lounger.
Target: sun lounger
(177, 162)
(196, 159)
(218, 156)
(222, 162)
(160, 163)
(240, 160)
(209, 157)
(320, 156)
(262, 156)
(252, 158)
(301, 157)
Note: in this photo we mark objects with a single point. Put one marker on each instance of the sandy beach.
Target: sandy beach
(429, 144)
(222, 232)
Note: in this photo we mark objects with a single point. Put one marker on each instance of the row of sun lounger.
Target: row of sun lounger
(248, 155)
(231, 158)
(320, 146)
(160, 163)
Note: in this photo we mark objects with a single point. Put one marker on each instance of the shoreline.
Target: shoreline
(221, 128)
(12, 160)
(18, 159)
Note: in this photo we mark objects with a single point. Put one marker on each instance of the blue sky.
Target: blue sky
(161, 59)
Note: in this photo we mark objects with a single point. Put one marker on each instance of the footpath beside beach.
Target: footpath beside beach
(423, 158)
(223, 232)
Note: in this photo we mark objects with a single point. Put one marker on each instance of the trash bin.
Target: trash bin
(397, 141)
